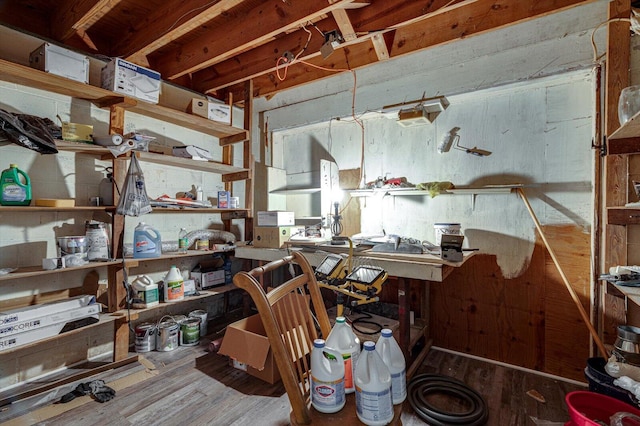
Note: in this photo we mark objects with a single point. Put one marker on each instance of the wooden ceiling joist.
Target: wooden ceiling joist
(73, 16)
(161, 28)
(274, 17)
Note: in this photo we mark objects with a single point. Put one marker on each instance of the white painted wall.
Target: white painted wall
(526, 93)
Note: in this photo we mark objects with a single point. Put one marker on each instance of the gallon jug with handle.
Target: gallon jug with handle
(392, 355)
(173, 285)
(344, 340)
(327, 378)
(374, 403)
(146, 241)
(15, 187)
(146, 292)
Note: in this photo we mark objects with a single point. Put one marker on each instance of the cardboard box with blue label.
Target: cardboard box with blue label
(130, 79)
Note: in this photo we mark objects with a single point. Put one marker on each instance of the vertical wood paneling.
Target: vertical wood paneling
(530, 320)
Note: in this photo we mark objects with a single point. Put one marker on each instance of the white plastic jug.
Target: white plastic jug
(327, 378)
(173, 285)
(146, 292)
(344, 340)
(392, 355)
(374, 404)
(146, 241)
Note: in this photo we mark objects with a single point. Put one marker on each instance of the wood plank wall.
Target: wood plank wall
(529, 321)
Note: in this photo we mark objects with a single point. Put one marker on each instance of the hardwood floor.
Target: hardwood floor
(192, 386)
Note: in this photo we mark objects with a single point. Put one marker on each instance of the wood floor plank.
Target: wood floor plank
(192, 386)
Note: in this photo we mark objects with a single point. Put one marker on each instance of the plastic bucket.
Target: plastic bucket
(588, 408)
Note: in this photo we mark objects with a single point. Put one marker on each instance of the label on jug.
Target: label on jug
(327, 395)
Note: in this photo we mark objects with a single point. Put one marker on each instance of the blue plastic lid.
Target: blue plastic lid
(386, 332)
(369, 346)
(318, 343)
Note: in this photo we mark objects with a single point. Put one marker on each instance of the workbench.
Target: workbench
(404, 266)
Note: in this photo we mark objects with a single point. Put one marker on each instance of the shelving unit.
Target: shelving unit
(625, 141)
(119, 106)
(407, 192)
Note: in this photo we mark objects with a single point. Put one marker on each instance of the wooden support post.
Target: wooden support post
(404, 317)
(121, 338)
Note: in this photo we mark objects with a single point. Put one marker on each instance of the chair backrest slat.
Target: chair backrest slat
(292, 313)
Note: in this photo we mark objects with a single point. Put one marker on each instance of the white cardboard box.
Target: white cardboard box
(21, 339)
(37, 311)
(60, 61)
(276, 218)
(130, 79)
(211, 110)
(46, 320)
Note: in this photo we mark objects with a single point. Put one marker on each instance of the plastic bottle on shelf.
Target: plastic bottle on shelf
(15, 187)
(183, 242)
(146, 292)
(173, 285)
(146, 241)
(327, 378)
(374, 403)
(343, 339)
(199, 194)
(392, 355)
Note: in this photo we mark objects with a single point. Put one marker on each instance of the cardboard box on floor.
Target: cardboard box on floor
(246, 344)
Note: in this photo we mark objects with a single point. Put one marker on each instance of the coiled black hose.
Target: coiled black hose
(423, 385)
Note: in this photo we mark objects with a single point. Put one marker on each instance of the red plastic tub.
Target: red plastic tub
(586, 407)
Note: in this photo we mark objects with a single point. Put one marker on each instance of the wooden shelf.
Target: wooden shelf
(31, 77)
(625, 140)
(187, 163)
(203, 294)
(493, 189)
(623, 215)
(57, 209)
(32, 271)
(295, 191)
(132, 263)
(235, 173)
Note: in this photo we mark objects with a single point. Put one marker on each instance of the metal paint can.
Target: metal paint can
(145, 340)
(168, 336)
(190, 332)
(202, 244)
(202, 315)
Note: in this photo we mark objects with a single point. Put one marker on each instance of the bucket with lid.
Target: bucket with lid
(189, 331)
(202, 315)
(167, 338)
(145, 340)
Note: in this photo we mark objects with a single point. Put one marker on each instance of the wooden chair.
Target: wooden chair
(293, 315)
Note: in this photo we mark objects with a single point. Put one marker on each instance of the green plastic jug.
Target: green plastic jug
(15, 191)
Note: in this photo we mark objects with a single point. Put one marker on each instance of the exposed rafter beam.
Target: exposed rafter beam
(76, 16)
(260, 25)
(161, 27)
(262, 60)
(474, 18)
